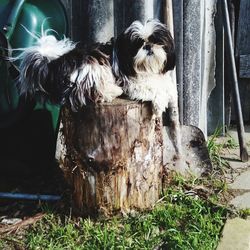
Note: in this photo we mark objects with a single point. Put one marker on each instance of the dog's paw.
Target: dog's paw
(112, 92)
(159, 107)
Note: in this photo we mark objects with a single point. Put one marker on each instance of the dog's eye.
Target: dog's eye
(154, 40)
(139, 42)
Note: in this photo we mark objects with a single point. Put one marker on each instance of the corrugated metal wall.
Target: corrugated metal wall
(243, 50)
(99, 20)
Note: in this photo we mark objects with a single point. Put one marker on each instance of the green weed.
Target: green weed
(215, 150)
(244, 213)
(230, 143)
(180, 220)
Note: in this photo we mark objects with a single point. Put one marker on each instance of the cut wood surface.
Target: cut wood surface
(111, 155)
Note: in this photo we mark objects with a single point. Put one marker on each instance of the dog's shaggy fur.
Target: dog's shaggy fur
(59, 72)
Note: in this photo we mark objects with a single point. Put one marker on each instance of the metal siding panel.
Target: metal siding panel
(192, 61)
(216, 107)
(243, 39)
(245, 66)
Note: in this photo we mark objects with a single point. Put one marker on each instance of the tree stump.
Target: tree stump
(111, 155)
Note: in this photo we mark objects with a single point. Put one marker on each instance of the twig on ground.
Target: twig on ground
(22, 224)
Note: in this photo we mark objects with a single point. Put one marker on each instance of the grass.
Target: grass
(244, 213)
(231, 143)
(182, 219)
(185, 218)
(178, 221)
(215, 149)
(221, 166)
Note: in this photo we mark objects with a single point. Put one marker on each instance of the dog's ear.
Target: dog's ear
(123, 56)
(170, 52)
(170, 62)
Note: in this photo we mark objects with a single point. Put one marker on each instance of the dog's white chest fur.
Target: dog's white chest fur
(158, 88)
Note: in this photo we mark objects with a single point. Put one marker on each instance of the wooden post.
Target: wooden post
(111, 155)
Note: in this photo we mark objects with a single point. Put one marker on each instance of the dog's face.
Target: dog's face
(144, 48)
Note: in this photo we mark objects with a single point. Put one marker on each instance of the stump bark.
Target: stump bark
(111, 155)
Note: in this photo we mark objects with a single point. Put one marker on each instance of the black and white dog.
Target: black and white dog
(57, 71)
(143, 62)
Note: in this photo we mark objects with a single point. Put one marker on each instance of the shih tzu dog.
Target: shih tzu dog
(59, 72)
(143, 62)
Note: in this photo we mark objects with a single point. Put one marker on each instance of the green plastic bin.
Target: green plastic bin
(28, 129)
(15, 17)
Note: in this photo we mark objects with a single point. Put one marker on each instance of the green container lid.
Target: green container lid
(19, 19)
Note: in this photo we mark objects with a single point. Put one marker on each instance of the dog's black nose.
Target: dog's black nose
(147, 47)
